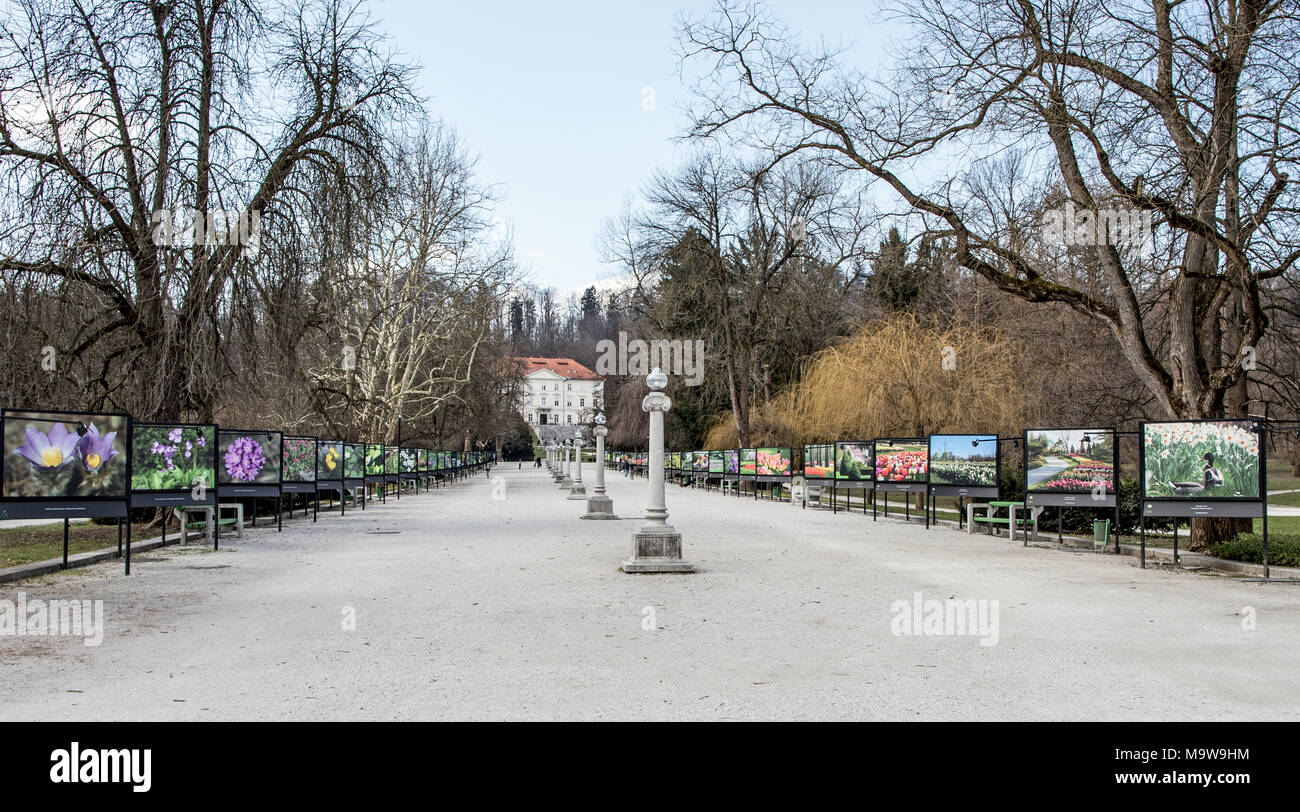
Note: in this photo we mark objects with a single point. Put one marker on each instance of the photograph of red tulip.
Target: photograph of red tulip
(902, 461)
(60, 455)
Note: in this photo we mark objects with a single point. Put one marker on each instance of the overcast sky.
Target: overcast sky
(553, 97)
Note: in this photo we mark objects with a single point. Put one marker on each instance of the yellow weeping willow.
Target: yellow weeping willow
(897, 377)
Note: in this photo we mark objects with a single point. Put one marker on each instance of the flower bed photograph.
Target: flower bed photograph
(731, 461)
(171, 457)
(248, 458)
(902, 460)
(1070, 460)
(748, 462)
(969, 460)
(1200, 460)
(819, 461)
(54, 455)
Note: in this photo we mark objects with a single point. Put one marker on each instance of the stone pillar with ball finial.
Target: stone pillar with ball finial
(657, 546)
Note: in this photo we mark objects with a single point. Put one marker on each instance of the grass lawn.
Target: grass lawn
(1280, 524)
(1278, 476)
(1291, 499)
(22, 545)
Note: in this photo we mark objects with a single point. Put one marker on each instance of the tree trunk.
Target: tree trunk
(1208, 531)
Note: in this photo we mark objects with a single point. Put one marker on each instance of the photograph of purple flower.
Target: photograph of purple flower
(172, 457)
(64, 455)
(49, 452)
(248, 457)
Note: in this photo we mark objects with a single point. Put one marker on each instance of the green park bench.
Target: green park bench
(1010, 521)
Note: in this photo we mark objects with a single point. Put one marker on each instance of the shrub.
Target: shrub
(1283, 549)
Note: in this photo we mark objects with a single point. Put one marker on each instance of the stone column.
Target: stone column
(600, 506)
(657, 547)
(566, 468)
(578, 491)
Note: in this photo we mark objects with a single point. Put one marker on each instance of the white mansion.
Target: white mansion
(559, 395)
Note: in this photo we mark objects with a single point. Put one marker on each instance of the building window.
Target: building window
(570, 387)
(557, 402)
(570, 420)
(582, 402)
(570, 402)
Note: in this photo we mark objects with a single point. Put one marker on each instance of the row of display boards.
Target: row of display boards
(62, 464)
(1190, 468)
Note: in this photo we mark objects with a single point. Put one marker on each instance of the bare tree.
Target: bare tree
(1183, 115)
(117, 115)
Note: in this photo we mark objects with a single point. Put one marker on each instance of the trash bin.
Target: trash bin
(1100, 532)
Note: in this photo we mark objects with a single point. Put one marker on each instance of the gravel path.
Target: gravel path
(468, 607)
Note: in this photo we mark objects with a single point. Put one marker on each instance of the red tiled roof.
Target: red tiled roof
(564, 367)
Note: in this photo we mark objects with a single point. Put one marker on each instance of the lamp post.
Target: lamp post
(656, 547)
(578, 491)
(600, 506)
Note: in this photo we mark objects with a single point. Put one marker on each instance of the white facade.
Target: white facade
(552, 399)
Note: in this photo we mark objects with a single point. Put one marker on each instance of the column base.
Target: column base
(657, 549)
(599, 507)
(578, 492)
